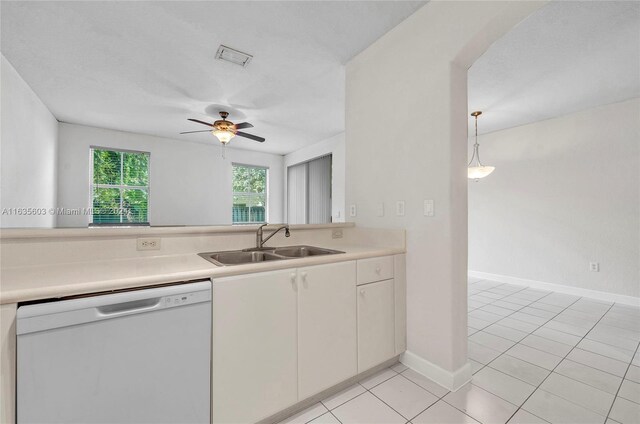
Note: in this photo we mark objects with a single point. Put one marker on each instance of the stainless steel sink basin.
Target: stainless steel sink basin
(303, 251)
(240, 257)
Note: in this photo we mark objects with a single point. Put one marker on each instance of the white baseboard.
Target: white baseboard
(447, 379)
(576, 291)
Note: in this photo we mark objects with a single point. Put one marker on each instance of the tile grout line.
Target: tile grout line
(417, 385)
(565, 357)
(333, 415)
(487, 364)
(621, 383)
(574, 346)
(503, 353)
(365, 390)
(440, 398)
(560, 331)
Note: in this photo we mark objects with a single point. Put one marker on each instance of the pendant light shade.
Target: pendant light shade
(476, 170)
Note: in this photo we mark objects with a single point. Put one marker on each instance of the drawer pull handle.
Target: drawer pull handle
(378, 269)
(293, 279)
(362, 292)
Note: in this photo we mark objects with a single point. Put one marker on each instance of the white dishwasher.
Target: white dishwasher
(140, 356)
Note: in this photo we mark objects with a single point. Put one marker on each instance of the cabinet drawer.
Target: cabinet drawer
(375, 269)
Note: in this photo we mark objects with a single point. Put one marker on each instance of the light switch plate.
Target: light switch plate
(352, 210)
(400, 208)
(428, 207)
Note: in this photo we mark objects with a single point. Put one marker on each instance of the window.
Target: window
(249, 194)
(119, 186)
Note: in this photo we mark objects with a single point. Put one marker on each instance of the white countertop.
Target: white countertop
(21, 284)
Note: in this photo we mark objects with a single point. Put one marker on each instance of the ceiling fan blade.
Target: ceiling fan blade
(250, 136)
(189, 132)
(243, 125)
(200, 122)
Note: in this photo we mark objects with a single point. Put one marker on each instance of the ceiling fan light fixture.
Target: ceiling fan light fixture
(223, 135)
(226, 130)
(477, 170)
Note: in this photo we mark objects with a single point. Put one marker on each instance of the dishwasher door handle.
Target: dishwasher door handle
(142, 305)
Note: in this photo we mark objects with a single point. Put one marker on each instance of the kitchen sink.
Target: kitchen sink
(303, 251)
(240, 257)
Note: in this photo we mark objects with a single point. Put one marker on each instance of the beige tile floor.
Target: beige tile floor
(537, 357)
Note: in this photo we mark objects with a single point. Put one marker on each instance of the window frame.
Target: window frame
(266, 193)
(120, 187)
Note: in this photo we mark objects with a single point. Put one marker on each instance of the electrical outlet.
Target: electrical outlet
(428, 207)
(594, 267)
(148, 243)
(400, 208)
(352, 210)
(336, 234)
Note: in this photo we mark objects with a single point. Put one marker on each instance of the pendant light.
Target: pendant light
(477, 170)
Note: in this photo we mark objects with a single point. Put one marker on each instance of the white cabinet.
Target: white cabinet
(400, 294)
(254, 353)
(327, 346)
(8, 363)
(280, 337)
(376, 324)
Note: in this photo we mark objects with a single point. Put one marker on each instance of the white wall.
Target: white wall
(336, 147)
(28, 143)
(415, 77)
(190, 183)
(565, 192)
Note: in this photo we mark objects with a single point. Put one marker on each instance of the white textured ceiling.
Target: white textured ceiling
(148, 66)
(566, 57)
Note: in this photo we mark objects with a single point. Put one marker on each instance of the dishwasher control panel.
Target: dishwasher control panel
(186, 298)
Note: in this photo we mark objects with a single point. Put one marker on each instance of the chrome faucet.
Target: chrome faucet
(260, 241)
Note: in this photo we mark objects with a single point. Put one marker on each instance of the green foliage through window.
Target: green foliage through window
(249, 194)
(120, 189)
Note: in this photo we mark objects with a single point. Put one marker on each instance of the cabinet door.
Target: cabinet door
(400, 290)
(8, 363)
(376, 322)
(327, 344)
(254, 366)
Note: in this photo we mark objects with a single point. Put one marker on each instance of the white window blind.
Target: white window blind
(309, 192)
(319, 198)
(297, 192)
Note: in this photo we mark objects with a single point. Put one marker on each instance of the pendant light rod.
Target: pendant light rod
(476, 151)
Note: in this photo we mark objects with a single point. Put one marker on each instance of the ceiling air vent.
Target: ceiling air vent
(233, 56)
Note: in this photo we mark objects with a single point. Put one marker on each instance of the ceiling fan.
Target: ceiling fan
(225, 130)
